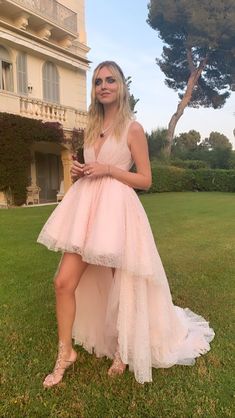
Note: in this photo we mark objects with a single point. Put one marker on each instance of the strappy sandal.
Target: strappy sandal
(117, 367)
(61, 365)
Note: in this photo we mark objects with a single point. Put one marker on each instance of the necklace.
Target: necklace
(102, 133)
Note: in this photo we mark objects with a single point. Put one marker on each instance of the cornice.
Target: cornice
(35, 43)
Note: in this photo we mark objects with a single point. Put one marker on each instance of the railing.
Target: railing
(80, 119)
(37, 108)
(53, 10)
(69, 117)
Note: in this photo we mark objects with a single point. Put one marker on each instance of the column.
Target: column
(66, 161)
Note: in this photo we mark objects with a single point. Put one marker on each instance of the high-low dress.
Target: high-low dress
(102, 219)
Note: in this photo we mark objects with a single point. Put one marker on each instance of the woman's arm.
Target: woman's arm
(138, 145)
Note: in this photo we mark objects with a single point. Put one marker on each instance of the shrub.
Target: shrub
(191, 164)
(214, 180)
(167, 178)
(172, 179)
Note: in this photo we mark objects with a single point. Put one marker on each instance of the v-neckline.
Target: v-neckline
(100, 149)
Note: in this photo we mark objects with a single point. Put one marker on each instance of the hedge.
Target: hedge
(191, 164)
(174, 179)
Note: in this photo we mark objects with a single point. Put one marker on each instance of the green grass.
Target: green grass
(195, 234)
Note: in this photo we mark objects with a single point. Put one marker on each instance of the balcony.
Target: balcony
(67, 116)
(35, 108)
(51, 10)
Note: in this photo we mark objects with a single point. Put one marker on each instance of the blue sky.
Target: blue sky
(117, 30)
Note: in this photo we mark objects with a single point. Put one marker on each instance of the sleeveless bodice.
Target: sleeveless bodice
(113, 151)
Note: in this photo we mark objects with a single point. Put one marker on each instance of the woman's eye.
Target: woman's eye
(108, 80)
(98, 81)
(111, 80)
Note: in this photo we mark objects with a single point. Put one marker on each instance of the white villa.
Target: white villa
(43, 67)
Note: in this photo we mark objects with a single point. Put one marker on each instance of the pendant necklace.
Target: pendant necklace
(102, 133)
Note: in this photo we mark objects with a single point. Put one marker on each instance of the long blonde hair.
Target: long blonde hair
(96, 109)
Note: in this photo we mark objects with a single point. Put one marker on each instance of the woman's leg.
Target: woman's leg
(71, 269)
(66, 281)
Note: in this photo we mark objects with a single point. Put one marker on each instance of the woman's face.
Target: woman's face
(106, 87)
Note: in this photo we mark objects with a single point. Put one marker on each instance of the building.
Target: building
(43, 65)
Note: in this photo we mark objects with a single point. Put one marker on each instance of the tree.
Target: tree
(132, 99)
(156, 141)
(218, 150)
(186, 143)
(198, 59)
(232, 161)
(217, 140)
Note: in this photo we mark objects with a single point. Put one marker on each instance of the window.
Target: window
(50, 79)
(22, 79)
(6, 78)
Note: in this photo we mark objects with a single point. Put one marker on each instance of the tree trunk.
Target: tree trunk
(192, 81)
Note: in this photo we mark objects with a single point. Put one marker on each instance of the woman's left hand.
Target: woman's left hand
(95, 170)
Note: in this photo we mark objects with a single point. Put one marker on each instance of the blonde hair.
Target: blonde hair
(96, 109)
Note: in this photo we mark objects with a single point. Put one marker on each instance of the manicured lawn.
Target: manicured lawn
(195, 234)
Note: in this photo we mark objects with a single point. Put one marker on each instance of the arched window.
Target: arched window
(50, 79)
(6, 76)
(22, 78)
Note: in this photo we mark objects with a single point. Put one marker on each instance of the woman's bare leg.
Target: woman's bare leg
(70, 271)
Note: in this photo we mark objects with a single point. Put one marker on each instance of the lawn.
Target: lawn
(195, 235)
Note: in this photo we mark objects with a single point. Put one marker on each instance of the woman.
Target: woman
(112, 294)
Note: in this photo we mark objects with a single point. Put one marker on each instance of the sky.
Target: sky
(117, 30)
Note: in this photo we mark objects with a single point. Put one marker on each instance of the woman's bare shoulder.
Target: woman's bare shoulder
(135, 127)
(135, 132)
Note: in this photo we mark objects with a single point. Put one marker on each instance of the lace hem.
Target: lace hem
(197, 325)
(105, 260)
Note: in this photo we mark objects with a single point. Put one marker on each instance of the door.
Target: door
(49, 175)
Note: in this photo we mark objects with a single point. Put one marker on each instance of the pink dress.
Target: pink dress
(103, 220)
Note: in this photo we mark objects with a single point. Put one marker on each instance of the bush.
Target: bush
(191, 164)
(175, 179)
(214, 180)
(167, 178)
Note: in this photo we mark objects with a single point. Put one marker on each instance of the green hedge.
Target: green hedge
(174, 179)
(191, 164)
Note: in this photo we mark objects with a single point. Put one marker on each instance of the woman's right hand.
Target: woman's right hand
(76, 170)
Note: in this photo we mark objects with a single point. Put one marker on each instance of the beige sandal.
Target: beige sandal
(117, 367)
(61, 365)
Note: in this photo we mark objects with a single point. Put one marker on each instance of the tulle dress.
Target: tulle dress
(103, 220)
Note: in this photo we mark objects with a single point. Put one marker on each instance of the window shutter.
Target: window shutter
(50, 79)
(22, 79)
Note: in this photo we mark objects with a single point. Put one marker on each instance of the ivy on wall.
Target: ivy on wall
(17, 134)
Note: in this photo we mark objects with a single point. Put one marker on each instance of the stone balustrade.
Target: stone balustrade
(36, 108)
(80, 119)
(52, 9)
